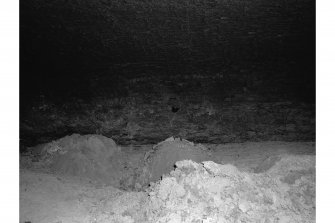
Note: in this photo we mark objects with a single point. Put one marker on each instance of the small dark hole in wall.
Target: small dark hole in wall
(174, 109)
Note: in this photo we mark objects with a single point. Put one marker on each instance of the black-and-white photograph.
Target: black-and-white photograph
(167, 111)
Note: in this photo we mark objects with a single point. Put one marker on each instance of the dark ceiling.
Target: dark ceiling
(68, 43)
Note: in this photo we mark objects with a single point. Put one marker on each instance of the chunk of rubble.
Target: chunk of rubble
(163, 156)
(89, 156)
(210, 192)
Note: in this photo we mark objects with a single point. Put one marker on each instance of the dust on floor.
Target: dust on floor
(91, 179)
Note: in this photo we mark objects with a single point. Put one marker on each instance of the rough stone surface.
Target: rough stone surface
(162, 158)
(58, 188)
(89, 156)
(210, 192)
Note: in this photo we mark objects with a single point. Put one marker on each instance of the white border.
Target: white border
(325, 110)
(9, 117)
